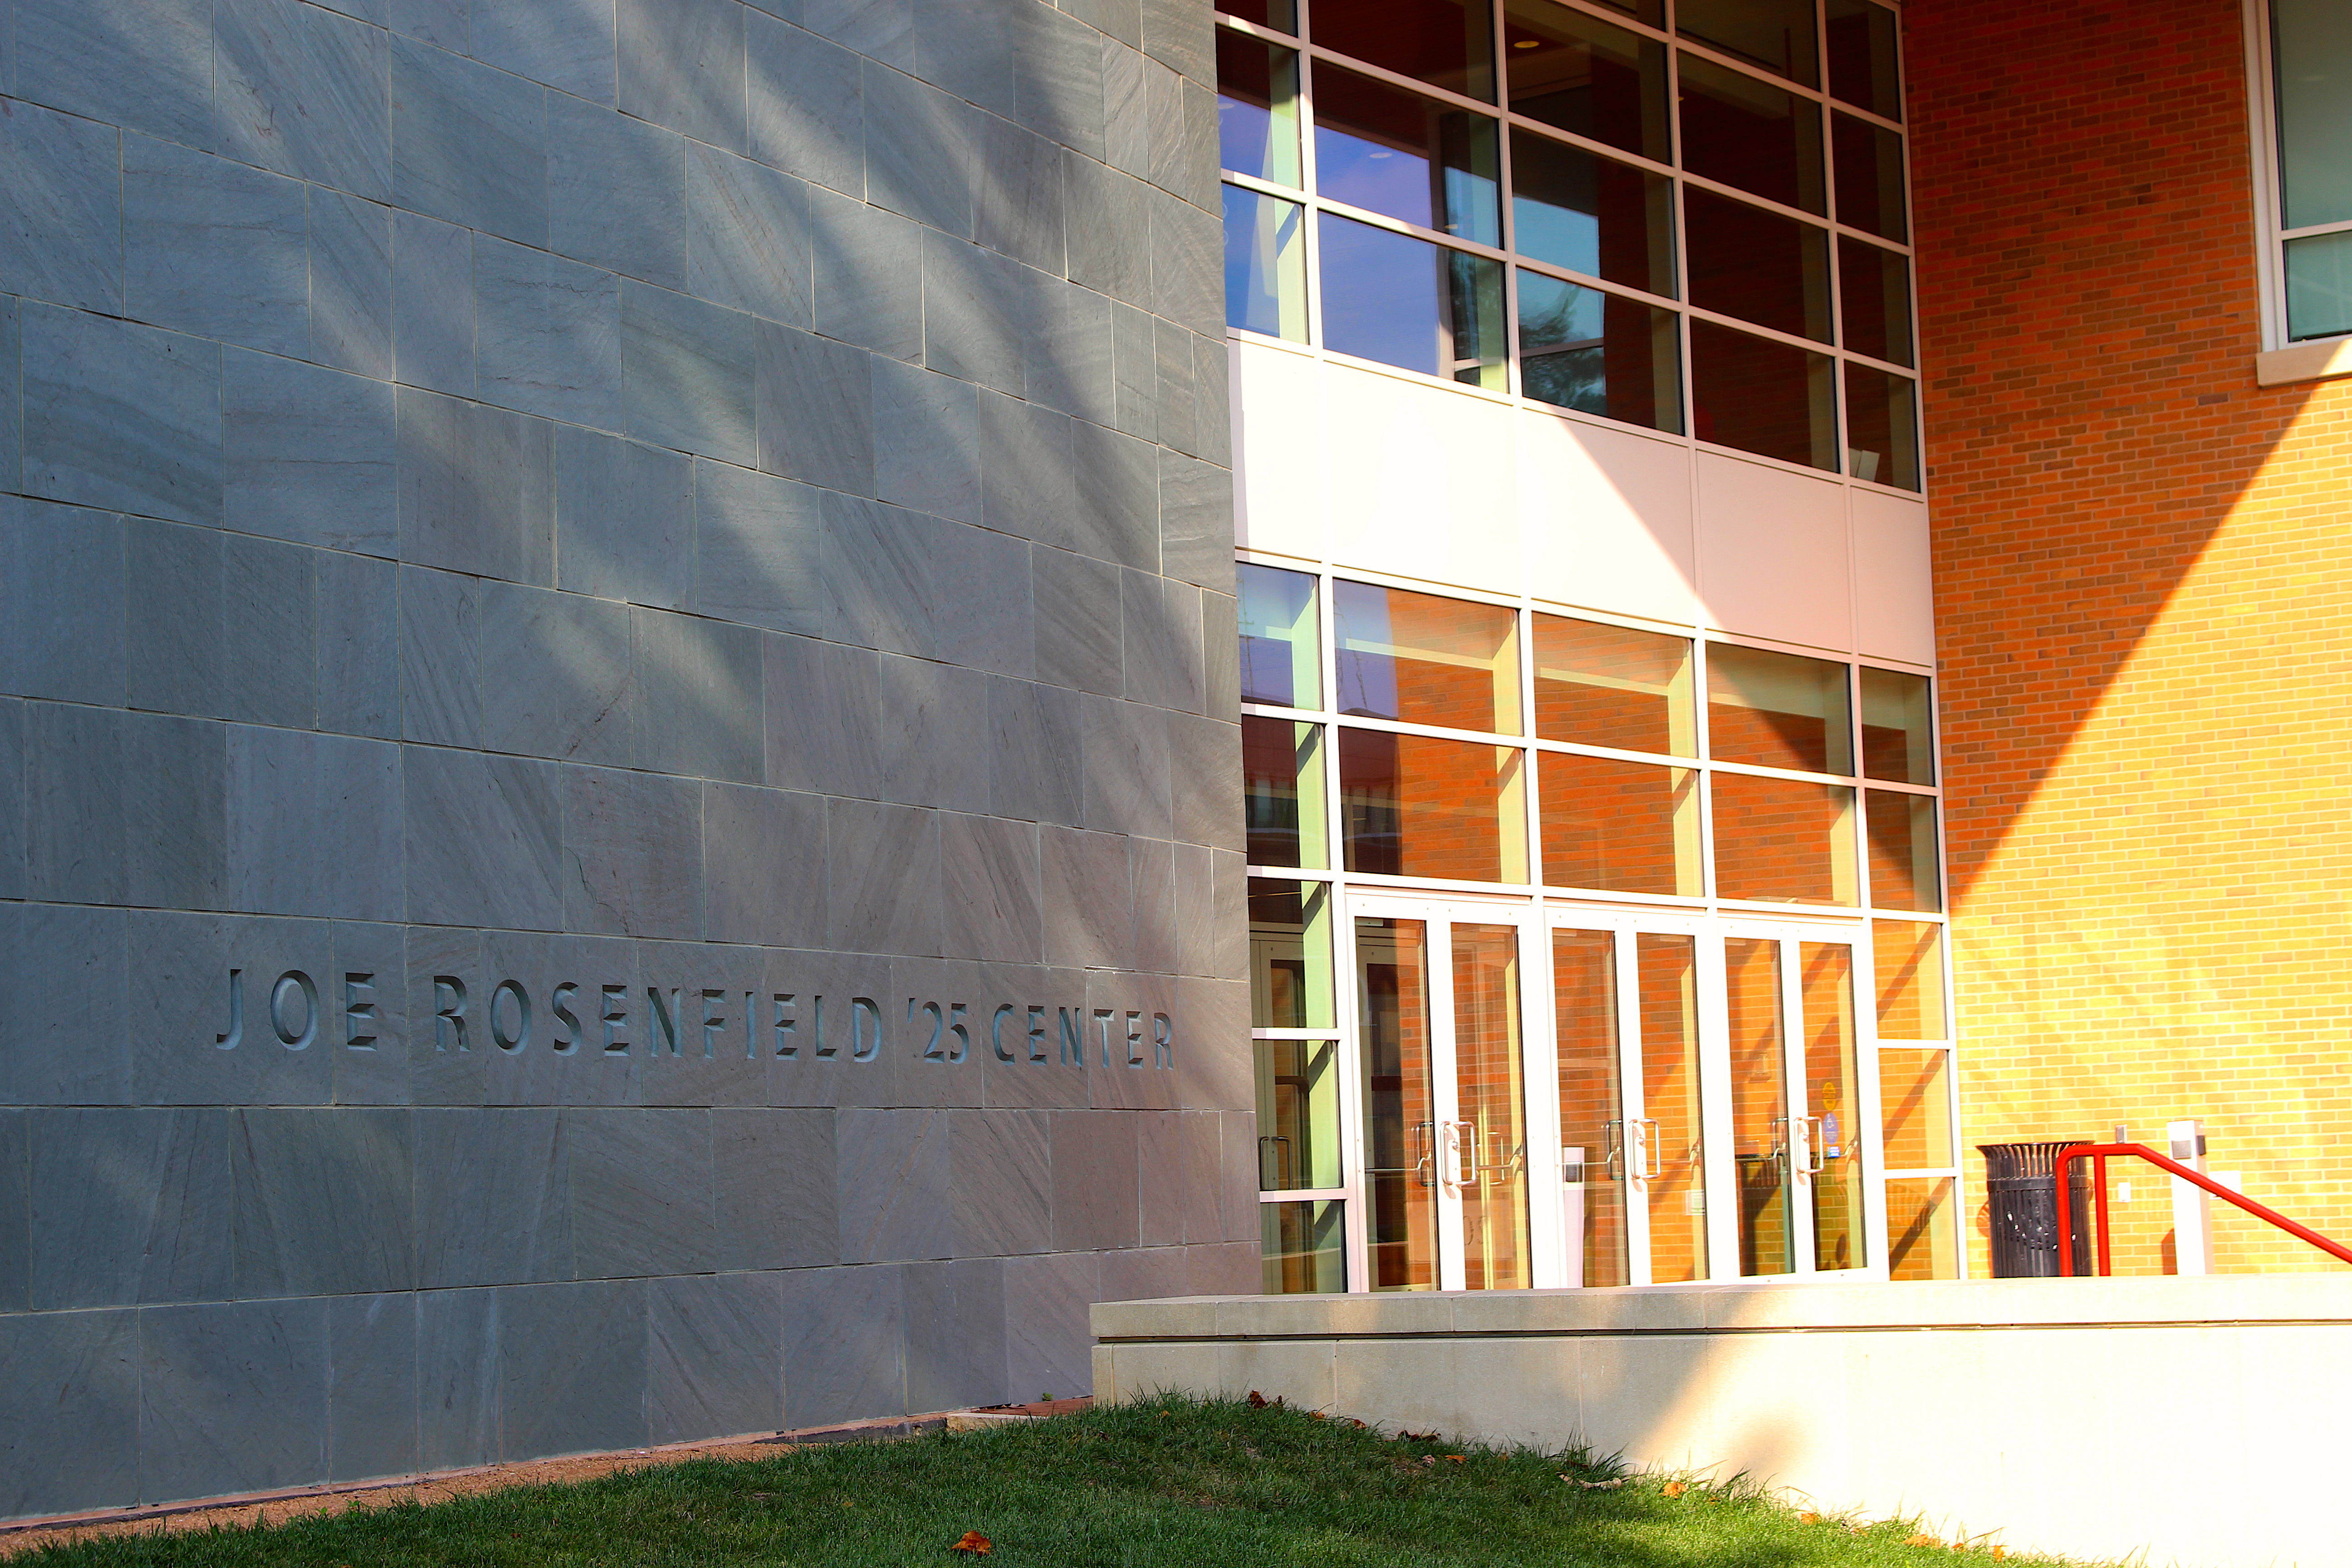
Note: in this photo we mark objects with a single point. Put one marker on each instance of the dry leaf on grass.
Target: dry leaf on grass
(1416, 1437)
(1808, 1519)
(1675, 1488)
(1459, 1458)
(1922, 1540)
(1257, 1401)
(1596, 1486)
(973, 1544)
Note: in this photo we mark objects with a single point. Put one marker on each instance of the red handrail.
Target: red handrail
(2098, 1153)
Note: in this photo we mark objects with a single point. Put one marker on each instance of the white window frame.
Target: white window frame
(2283, 359)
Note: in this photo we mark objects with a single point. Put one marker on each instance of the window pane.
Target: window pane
(1875, 300)
(1665, 971)
(1622, 828)
(1914, 1088)
(1609, 686)
(1898, 732)
(1266, 264)
(1406, 156)
(1282, 16)
(1758, 265)
(1783, 842)
(1903, 869)
(1257, 108)
(1589, 214)
(1426, 660)
(1882, 426)
(1445, 43)
(1753, 1016)
(2319, 286)
(1775, 34)
(1290, 956)
(1592, 1103)
(1910, 965)
(1922, 1235)
(1304, 1247)
(1751, 135)
(1412, 807)
(1865, 57)
(2312, 51)
(1777, 711)
(1279, 651)
(1400, 1102)
(1869, 177)
(1406, 302)
(1832, 1092)
(1599, 353)
(1490, 1088)
(1585, 76)
(1297, 1115)
(1282, 792)
(1773, 399)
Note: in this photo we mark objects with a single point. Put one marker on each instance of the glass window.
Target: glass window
(1667, 973)
(1257, 108)
(1297, 1115)
(1620, 827)
(1782, 841)
(1282, 16)
(1581, 74)
(1400, 1101)
(1869, 177)
(1588, 214)
(1904, 874)
(1406, 302)
(1898, 730)
(1281, 655)
(1775, 34)
(1773, 399)
(1757, 264)
(1777, 711)
(1754, 1015)
(1865, 57)
(2311, 54)
(1445, 43)
(1414, 806)
(1922, 1230)
(1266, 264)
(1303, 1246)
(1425, 659)
(1751, 135)
(1282, 792)
(2319, 284)
(1832, 1088)
(1882, 426)
(1610, 686)
(1914, 1088)
(1405, 156)
(1592, 1102)
(1599, 353)
(1910, 968)
(1290, 957)
(1875, 300)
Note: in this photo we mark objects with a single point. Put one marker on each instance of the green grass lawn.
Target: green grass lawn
(1167, 1481)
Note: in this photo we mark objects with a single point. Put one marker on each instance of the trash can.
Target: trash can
(2021, 1192)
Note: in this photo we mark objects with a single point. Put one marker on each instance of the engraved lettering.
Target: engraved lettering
(662, 1022)
(862, 1009)
(1037, 1034)
(615, 1011)
(1102, 1032)
(996, 1031)
(817, 1029)
(569, 1041)
(711, 1022)
(359, 1009)
(751, 1026)
(301, 985)
(1163, 1040)
(956, 1011)
(1072, 1028)
(931, 1052)
(784, 1026)
(228, 1042)
(448, 1009)
(510, 1043)
(1134, 1040)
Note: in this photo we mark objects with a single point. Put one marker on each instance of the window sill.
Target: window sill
(2322, 361)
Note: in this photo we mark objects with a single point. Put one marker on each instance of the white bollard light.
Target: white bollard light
(2192, 1208)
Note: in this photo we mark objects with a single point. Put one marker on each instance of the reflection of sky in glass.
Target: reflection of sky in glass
(2319, 286)
(1244, 136)
(1262, 250)
(1384, 179)
(1367, 683)
(1380, 299)
(1560, 235)
(1277, 627)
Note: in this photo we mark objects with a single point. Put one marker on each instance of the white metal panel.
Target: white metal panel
(1894, 610)
(1772, 553)
(1605, 519)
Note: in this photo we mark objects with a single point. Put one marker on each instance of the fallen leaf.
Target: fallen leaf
(1999, 1552)
(1318, 1416)
(1597, 1486)
(1256, 1400)
(1675, 1489)
(1808, 1519)
(1923, 1540)
(1417, 1437)
(973, 1544)
(1356, 1423)
(1459, 1458)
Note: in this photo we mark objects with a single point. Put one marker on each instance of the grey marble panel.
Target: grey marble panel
(485, 839)
(631, 853)
(934, 735)
(926, 441)
(1048, 1345)
(11, 409)
(775, 1182)
(458, 1335)
(1151, 900)
(745, 236)
(880, 29)
(1027, 486)
(1178, 33)
(1069, 364)
(323, 1200)
(125, 807)
(933, 1059)
(843, 1332)
(823, 726)
(976, 308)
(440, 657)
(130, 1206)
(1220, 655)
(1086, 897)
(1238, 1175)
(1078, 608)
(1017, 201)
(715, 1356)
(1037, 1078)
(1135, 372)
(572, 1367)
(1173, 348)
(15, 1209)
(881, 570)
(268, 641)
(1196, 1177)
(893, 1171)
(1167, 168)
(816, 1020)
(711, 991)
(616, 191)
(1196, 937)
(1230, 895)
(1234, 1269)
(183, 1009)
(1187, 263)
(869, 275)
(432, 303)
(641, 1191)
(815, 410)
(69, 645)
(1127, 785)
(477, 492)
(371, 1387)
(1105, 211)
(449, 22)
(73, 804)
(1159, 1152)
(1036, 772)
(1095, 1164)
(682, 65)
(1196, 522)
(919, 150)
(624, 519)
(546, 1043)
(1058, 79)
(547, 336)
(1118, 516)
(232, 1396)
(698, 699)
(1161, 628)
(493, 1194)
(65, 1040)
(990, 889)
(1205, 780)
(1001, 1194)
(1212, 369)
(1145, 1274)
(69, 1429)
(1121, 1008)
(121, 417)
(1127, 93)
(308, 454)
(687, 374)
(882, 879)
(468, 143)
(567, 44)
(955, 1335)
(314, 824)
(1196, 175)
(1122, 19)
(806, 110)
(62, 179)
(966, 47)
(12, 884)
(368, 1050)
(564, 686)
(762, 866)
(143, 64)
(304, 92)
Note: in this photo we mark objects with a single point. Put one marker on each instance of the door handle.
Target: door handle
(1423, 1132)
(1614, 1159)
(1816, 1150)
(1465, 1141)
(1281, 1162)
(1645, 1162)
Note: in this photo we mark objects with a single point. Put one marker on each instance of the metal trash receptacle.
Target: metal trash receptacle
(2022, 1193)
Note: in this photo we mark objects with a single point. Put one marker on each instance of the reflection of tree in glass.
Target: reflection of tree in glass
(1560, 366)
